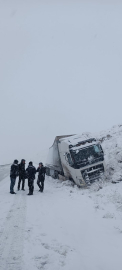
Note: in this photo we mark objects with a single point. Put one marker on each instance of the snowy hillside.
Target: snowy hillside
(111, 141)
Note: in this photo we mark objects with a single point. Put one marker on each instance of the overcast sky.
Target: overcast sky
(60, 72)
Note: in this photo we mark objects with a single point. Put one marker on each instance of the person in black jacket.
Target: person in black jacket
(14, 172)
(41, 176)
(31, 171)
(22, 174)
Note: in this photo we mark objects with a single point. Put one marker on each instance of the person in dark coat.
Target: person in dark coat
(41, 176)
(22, 174)
(14, 172)
(31, 171)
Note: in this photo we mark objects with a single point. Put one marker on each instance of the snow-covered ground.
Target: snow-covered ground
(65, 227)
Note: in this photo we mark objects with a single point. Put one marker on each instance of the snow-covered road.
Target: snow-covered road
(63, 228)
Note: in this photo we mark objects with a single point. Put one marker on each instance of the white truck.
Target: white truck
(77, 158)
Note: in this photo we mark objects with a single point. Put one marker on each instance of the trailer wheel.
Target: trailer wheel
(56, 175)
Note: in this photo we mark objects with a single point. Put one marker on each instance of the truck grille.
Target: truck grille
(92, 173)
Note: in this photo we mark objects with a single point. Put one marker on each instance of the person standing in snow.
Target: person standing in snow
(21, 174)
(14, 172)
(31, 171)
(41, 176)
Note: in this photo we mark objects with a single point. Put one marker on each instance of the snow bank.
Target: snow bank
(111, 141)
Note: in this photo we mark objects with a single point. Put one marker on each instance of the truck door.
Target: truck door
(69, 166)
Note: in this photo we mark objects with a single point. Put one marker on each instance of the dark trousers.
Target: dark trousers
(12, 184)
(40, 183)
(21, 178)
(31, 185)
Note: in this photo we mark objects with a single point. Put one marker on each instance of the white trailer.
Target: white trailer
(77, 158)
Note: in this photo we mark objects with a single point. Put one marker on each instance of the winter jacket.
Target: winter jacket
(31, 171)
(14, 172)
(41, 171)
(22, 169)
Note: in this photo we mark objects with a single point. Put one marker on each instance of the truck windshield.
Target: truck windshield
(87, 155)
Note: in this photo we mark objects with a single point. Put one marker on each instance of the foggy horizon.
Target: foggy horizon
(60, 73)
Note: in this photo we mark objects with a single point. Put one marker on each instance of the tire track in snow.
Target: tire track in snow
(12, 235)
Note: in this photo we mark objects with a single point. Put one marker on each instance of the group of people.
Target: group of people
(29, 173)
